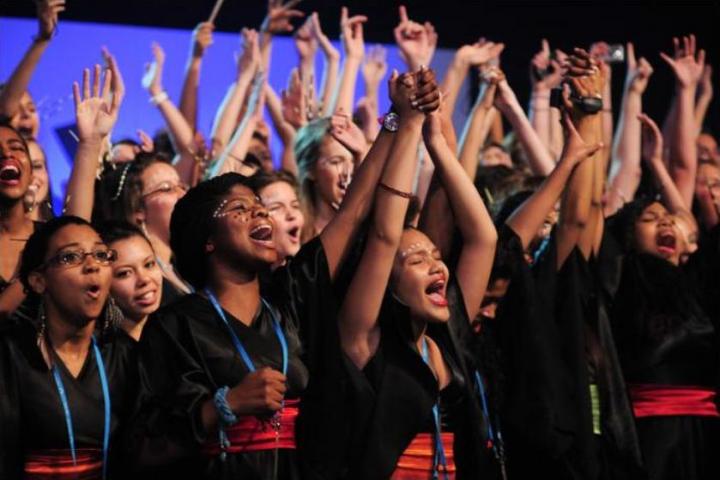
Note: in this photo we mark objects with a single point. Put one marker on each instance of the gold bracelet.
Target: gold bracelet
(395, 191)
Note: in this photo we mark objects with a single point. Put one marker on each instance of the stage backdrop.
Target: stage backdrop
(77, 45)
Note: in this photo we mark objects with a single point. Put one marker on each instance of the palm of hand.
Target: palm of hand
(305, 42)
(350, 136)
(94, 118)
(374, 71)
(687, 70)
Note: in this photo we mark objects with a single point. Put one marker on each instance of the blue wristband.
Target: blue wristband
(225, 413)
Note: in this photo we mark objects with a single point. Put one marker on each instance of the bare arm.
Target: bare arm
(704, 98)
(95, 118)
(545, 74)
(17, 84)
(331, 69)
(354, 45)
(477, 229)
(683, 150)
(226, 118)
(359, 312)
(625, 170)
(201, 39)
(541, 163)
(286, 131)
(373, 70)
(477, 126)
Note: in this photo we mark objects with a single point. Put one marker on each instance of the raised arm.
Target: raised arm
(541, 163)
(416, 42)
(373, 70)
(95, 117)
(181, 134)
(625, 170)
(475, 225)
(599, 51)
(338, 234)
(688, 69)
(478, 124)
(17, 84)
(201, 39)
(227, 116)
(331, 68)
(529, 217)
(545, 74)
(306, 45)
(359, 334)
(705, 95)
(285, 130)
(351, 29)
(277, 21)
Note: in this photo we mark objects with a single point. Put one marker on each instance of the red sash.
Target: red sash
(416, 462)
(58, 464)
(671, 400)
(251, 434)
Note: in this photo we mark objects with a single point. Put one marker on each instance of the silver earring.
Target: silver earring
(113, 314)
(41, 324)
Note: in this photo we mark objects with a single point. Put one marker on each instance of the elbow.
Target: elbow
(388, 236)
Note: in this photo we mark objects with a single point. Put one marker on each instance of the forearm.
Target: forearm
(285, 131)
(20, 78)
(701, 108)
(556, 134)
(541, 163)
(607, 123)
(329, 83)
(188, 97)
(539, 114)
(671, 196)
(529, 217)
(683, 153)
(236, 150)
(81, 185)
(226, 118)
(451, 85)
(357, 202)
(11, 298)
(346, 89)
(473, 138)
(625, 170)
(371, 128)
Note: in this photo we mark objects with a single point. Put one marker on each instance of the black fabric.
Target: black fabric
(665, 337)
(187, 355)
(31, 414)
(403, 390)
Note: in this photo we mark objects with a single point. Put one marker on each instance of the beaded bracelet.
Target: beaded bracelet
(159, 98)
(226, 417)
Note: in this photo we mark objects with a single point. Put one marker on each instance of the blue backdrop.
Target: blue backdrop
(77, 45)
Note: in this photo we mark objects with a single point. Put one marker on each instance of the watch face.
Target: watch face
(391, 122)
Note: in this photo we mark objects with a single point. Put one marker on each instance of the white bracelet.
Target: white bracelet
(159, 98)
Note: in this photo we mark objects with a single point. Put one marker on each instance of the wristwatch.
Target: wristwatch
(391, 121)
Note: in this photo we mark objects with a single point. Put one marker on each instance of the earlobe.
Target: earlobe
(37, 283)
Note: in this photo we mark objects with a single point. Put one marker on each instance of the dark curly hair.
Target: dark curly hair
(192, 223)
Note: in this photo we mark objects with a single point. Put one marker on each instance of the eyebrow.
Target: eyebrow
(76, 244)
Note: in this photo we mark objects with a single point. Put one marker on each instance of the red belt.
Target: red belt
(669, 400)
(416, 462)
(251, 434)
(58, 464)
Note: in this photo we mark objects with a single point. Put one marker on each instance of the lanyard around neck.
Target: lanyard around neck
(495, 440)
(439, 454)
(106, 401)
(238, 344)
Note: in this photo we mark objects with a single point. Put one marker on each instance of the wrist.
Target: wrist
(158, 96)
(460, 64)
(353, 59)
(411, 119)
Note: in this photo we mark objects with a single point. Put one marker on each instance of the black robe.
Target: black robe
(665, 337)
(31, 413)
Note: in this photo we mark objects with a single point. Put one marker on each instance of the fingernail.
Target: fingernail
(414, 104)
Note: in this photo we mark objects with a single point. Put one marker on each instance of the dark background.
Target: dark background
(520, 25)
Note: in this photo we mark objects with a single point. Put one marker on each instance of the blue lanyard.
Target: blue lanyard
(439, 454)
(106, 402)
(494, 442)
(238, 344)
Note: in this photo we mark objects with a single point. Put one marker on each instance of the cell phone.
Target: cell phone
(556, 100)
(615, 54)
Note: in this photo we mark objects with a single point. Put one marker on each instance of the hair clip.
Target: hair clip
(123, 177)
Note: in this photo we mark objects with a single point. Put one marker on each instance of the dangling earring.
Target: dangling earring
(113, 315)
(41, 324)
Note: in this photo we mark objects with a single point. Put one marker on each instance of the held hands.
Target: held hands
(638, 71)
(491, 78)
(414, 94)
(279, 16)
(351, 33)
(261, 391)
(417, 42)
(152, 80)
(47, 13)
(95, 117)
(586, 82)
(202, 38)
(685, 63)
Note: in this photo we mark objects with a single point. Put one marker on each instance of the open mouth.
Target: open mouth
(146, 299)
(666, 243)
(9, 173)
(294, 234)
(93, 291)
(436, 293)
(261, 232)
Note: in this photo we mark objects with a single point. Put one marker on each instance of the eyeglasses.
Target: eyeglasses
(166, 187)
(237, 206)
(73, 258)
